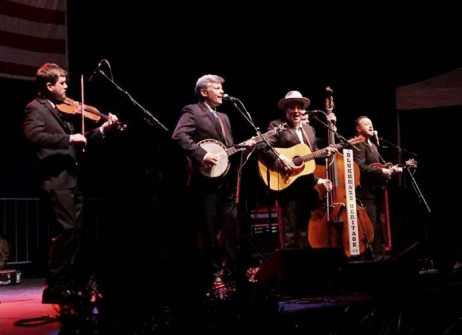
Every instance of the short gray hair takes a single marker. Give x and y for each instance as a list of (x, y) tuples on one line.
[(205, 81)]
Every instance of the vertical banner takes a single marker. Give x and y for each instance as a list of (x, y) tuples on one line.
[(32, 32), (351, 201)]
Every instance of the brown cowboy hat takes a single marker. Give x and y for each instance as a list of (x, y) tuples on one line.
[(293, 96)]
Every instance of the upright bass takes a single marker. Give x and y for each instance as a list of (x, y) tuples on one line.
[(328, 226)]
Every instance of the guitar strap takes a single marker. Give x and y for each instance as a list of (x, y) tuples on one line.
[(306, 138)]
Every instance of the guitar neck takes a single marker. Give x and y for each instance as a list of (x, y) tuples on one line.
[(319, 153), (232, 150), (382, 166), (257, 139)]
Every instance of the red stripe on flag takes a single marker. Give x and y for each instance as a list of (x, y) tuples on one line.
[(31, 36), (24, 12), (31, 43), (18, 69)]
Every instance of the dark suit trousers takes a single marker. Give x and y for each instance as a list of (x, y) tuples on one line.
[(64, 212), (374, 210), (218, 222), (295, 205)]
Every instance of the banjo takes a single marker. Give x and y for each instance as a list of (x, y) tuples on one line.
[(223, 153)]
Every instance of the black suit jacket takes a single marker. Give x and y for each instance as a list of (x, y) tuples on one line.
[(49, 136), (371, 178), (196, 124), (287, 139)]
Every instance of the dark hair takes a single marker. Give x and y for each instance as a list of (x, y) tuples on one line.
[(48, 73), (359, 119)]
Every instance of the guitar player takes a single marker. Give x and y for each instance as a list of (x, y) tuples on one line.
[(296, 201)]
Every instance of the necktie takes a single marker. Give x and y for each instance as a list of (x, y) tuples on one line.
[(375, 152), (223, 130)]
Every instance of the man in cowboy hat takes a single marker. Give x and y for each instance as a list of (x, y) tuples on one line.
[(297, 200)]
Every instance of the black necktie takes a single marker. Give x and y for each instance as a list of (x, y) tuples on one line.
[(375, 151)]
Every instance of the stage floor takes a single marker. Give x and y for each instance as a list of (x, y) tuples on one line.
[(364, 298), (22, 304)]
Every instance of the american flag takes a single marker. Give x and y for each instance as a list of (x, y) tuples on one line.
[(32, 32)]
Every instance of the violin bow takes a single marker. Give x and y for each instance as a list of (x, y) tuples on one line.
[(82, 106)]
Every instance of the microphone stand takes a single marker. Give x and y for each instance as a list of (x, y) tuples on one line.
[(400, 151), (413, 181), (417, 190), (428, 263), (397, 147), (149, 118), (248, 117), (242, 162), (340, 137)]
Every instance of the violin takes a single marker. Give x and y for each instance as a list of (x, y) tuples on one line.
[(69, 106)]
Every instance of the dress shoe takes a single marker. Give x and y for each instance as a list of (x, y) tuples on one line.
[(457, 268), (221, 289)]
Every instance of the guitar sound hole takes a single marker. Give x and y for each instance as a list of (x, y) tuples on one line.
[(297, 161)]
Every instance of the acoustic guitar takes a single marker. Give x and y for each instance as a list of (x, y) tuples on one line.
[(303, 159), (218, 148)]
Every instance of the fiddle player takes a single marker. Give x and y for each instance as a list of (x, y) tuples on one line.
[(55, 140), (372, 179)]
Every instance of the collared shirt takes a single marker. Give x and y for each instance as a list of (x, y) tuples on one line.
[(212, 110), (299, 133), (375, 151)]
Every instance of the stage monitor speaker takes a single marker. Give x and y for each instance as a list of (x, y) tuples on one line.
[(293, 272)]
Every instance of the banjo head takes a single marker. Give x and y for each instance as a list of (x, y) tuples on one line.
[(218, 148)]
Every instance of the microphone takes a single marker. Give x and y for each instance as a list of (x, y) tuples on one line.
[(227, 97), (376, 138), (96, 70)]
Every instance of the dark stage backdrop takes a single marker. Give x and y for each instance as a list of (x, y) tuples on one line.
[(156, 56)]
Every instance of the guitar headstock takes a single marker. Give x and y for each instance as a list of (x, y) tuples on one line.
[(411, 163), (272, 132), (281, 127), (356, 140)]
